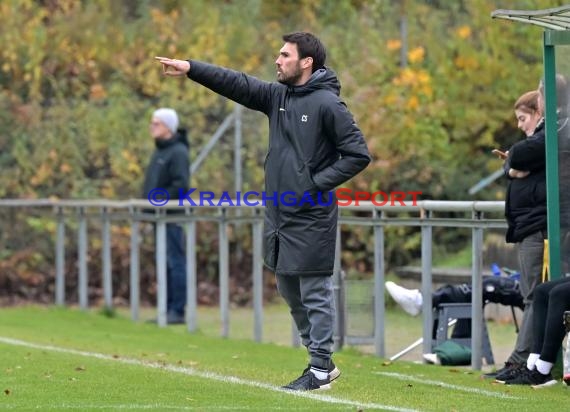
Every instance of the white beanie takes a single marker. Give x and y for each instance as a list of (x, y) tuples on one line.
[(168, 117)]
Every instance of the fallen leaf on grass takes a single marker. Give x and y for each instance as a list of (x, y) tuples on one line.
[(7, 391), (386, 363), (80, 369)]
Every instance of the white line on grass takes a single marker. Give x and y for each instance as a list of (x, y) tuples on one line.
[(156, 406), (446, 385), (204, 375)]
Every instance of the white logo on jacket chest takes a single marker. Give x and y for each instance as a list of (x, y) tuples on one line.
[(304, 118)]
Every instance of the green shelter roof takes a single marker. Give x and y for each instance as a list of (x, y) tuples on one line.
[(553, 19)]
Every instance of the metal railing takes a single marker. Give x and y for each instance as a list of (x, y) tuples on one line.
[(424, 216)]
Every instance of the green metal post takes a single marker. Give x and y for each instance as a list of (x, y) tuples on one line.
[(552, 188)]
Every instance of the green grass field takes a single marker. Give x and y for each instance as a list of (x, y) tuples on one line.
[(65, 359)]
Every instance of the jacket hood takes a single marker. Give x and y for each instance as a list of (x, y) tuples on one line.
[(180, 136), (324, 78), (539, 126), (562, 120)]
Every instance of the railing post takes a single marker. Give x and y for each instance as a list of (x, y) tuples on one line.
[(135, 266), (224, 273), (60, 258), (237, 147), (106, 257), (83, 284), (257, 240), (161, 292), (191, 276), (379, 303), (338, 294), (427, 311), (476, 292)]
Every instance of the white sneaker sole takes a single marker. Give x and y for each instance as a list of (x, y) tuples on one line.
[(335, 373), (545, 384)]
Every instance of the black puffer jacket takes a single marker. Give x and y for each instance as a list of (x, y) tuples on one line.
[(314, 146), (169, 166), (525, 204), (563, 132)]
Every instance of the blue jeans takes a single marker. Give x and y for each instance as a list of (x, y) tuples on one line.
[(175, 269)]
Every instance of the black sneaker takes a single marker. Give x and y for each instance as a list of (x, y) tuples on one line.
[(510, 373), (308, 382), (533, 378), (334, 372), (498, 372)]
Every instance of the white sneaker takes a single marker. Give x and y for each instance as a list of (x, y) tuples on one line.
[(431, 358), (409, 299)]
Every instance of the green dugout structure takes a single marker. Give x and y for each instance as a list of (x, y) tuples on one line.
[(556, 45)]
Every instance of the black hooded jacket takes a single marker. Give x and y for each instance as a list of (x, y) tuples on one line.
[(314, 146), (169, 166), (525, 204)]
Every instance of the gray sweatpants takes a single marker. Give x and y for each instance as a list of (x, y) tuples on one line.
[(531, 257), (311, 300)]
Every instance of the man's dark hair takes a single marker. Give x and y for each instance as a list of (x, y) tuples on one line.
[(308, 45)]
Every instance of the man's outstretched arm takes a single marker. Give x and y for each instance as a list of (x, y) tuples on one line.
[(247, 90)]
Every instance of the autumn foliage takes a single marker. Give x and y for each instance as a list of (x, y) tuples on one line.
[(78, 83)]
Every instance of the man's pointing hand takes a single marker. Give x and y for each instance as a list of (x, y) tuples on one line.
[(174, 67)]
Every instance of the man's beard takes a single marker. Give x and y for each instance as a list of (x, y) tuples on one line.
[(293, 78)]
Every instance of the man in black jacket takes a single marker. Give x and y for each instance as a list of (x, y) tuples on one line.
[(314, 146), (169, 170)]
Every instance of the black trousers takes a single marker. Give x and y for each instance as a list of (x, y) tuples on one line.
[(551, 300)]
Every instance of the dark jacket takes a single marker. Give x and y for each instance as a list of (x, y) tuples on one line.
[(563, 132), (525, 204), (314, 146), (169, 166)]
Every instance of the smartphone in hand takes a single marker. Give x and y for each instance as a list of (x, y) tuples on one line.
[(500, 154)]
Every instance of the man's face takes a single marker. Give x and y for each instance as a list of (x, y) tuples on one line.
[(158, 129), (289, 70)]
